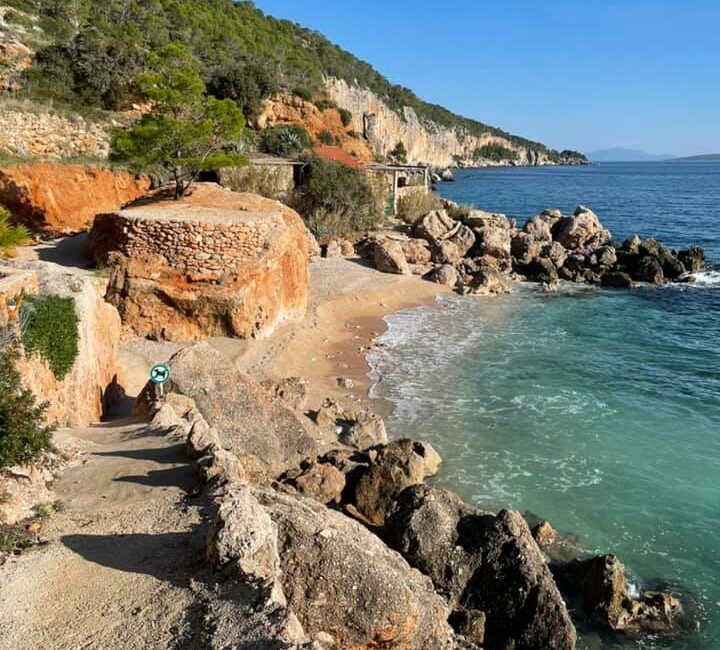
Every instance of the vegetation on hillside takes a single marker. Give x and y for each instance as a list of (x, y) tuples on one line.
[(100, 48), (23, 434), (399, 153), (494, 151), (49, 327), (414, 205), (334, 199), (186, 131), (287, 140)]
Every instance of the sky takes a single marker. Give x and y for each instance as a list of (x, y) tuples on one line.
[(583, 75)]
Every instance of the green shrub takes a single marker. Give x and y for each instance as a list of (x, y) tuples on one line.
[(414, 205), (49, 326), (325, 137), (285, 140), (246, 85), (494, 151), (325, 104), (23, 434), (303, 93), (10, 236), (335, 199), (399, 153), (345, 116)]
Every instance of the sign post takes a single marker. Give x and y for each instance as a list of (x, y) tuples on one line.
[(159, 375)]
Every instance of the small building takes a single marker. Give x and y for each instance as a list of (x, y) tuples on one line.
[(268, 176), (401, 180)]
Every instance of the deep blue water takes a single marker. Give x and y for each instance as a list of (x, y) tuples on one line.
[(598, 410)]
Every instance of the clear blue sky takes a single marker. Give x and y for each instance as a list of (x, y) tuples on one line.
[(584, 74)]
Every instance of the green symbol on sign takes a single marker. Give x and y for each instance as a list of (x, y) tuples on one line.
[(159, 374)]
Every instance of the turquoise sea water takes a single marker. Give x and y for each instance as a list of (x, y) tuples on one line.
[(597, 410)]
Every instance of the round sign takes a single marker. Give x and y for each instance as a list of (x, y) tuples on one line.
[(159, 374)]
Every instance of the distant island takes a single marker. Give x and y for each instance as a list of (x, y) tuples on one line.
[(705, 157), (623, 154)]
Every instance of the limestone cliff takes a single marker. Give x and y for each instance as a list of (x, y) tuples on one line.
[(426, 142)]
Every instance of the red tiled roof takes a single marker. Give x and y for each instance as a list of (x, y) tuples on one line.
[(336, 154)]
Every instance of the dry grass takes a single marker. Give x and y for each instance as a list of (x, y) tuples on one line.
[(417, 204)]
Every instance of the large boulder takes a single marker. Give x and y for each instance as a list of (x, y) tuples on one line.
[(604, 594), (482, 219), (617, 280), (340, 580), (389, 257), (693, 259), (60, 199), (485, 563), (433, 226), (417, 251), (581, 231), (392, 468), (525, 248), (495, 242), (539, 229), (649, 269), (444, 274), (266, 435)]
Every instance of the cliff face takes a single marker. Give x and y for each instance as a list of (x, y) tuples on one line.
[(426, 142)]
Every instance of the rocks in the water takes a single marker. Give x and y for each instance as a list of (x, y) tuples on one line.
[(447, 176), (603, 591), (484, 563), (392, 468), (617, 280), (581, 231), (525, 248), (444, 274), (693, 259), (541, 270), (494, 242), (389, 257), (544, 534), (489, 280), (538, 229), (648, 269)]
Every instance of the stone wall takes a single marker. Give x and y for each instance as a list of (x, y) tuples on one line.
[(46, 135), (216, 263)]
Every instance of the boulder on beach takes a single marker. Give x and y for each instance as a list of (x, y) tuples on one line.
[(389, 257)]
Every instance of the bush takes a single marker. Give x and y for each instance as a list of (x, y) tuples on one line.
[(325, 137), (459, 212), (285, 140), (345, 116), (10, 236), (246, 85), (335, 199), (49, 326), (325, 104), (23, 434), (414, 205), (399, 153), (303, 93)]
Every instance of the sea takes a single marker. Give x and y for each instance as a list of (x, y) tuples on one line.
[(598, 410)]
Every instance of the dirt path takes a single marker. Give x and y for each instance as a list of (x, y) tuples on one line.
[(122, 551)]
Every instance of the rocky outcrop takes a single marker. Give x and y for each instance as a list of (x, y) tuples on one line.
[(336, 579), (217, 263), (266, 435), (426, 142), (485, 564), (85, 394), (389, 257), (58, 199), (601, 587)]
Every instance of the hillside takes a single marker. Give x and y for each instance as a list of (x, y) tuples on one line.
[(88, 55), (705, 157)]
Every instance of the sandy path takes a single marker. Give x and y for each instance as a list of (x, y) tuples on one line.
[(122, 551)]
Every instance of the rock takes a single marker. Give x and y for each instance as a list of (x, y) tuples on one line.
[(604, 593), (485, 563), (292, 390), (433, 226), (444, 274), (555, 253), (539, 229), (581, 231), (541, 270), (367, 430), (265, 434), (347, 249), (693, 259), (525, 248), (216, 263), (332, 249), (470, 623), (417, 251), (617, 280), (320, 481), (489, 281), (395, 467), (346, 383), (340, 579), (388, 257), (447, 176), (494, 242), (463, 238), (606, 256), (648, 269), (219, 467), (314, 249), (672, 267), (60, 199), (544, 534), (482, 219), (632, 245), (200, 439), (551, 217)]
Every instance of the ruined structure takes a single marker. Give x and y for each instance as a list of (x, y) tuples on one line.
[(216, 263)]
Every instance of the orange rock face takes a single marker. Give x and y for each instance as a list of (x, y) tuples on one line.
[(288, 109), (59, 199), (217, 263)]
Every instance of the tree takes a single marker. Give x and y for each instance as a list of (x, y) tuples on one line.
[(399, 153), (186, 131), (246, 85)]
